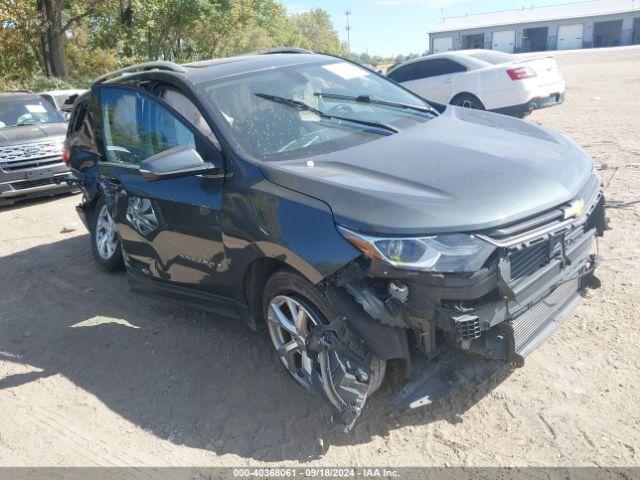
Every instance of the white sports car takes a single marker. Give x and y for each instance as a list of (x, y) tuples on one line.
[(484, 79)]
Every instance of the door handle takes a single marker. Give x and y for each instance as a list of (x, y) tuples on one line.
[(448, 81)]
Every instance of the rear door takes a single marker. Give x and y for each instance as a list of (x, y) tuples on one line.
[(435, 78), (170, 229)]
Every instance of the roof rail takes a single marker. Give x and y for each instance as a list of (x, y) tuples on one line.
[(142, 67), (284, 50)]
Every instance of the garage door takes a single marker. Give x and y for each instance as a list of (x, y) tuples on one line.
[(570, 36), (444, 44), (504, 41)]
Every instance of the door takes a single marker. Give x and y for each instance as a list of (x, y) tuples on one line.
[(444, 44), (570, 36), (435, 78), (504, 41), (169, 229)]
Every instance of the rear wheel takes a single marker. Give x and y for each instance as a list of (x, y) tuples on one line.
[(292, 308), (468, 101), (105, 241)]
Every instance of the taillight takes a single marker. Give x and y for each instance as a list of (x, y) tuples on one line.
[(65, 155), (521, 73)]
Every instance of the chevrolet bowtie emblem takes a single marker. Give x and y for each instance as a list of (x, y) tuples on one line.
[(574, 210)]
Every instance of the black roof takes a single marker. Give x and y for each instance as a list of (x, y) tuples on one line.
[(204, 70)]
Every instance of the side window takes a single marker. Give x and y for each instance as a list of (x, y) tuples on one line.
[(449, 66), (439, 66), (135, 126), (181, 104), (78, 116), (428, 68), (405, 73)]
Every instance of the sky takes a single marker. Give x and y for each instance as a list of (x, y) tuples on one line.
[(392, 27)]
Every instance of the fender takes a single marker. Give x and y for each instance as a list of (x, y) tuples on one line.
[(273, 222)]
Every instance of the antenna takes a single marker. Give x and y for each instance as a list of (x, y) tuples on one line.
[(347, 13)]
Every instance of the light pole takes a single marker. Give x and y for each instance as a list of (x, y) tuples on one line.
[(348, 29)]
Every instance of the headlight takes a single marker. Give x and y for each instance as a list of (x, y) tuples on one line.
[(455, 252)]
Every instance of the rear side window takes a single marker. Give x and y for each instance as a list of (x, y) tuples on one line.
[(439, 66), (77, 118), (405, 73), (135, 126)]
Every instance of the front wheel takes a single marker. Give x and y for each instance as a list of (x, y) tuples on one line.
[(292, 308), (105, 241)]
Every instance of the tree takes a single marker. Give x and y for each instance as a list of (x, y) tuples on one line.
[(54, 27), (317, 31)]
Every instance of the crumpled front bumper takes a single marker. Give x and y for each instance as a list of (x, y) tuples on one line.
[(502, 347)]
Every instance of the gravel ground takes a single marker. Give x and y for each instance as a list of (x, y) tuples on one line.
[(92, 375)]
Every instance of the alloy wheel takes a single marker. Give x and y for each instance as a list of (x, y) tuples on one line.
[(106, 236), (289, 323)]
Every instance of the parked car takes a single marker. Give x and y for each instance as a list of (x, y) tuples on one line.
[(32, 133), (484, 79), (62, 100), (342, 213)]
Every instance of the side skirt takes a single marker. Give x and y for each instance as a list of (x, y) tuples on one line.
[(190, 297)]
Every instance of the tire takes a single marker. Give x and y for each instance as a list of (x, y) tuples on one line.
[(468, 101), (106, 251), (286, 284)]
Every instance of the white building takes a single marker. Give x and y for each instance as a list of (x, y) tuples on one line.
[(595, 23)]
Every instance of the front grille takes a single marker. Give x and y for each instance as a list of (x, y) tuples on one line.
[(552, 223), (21, 185), (528, 325), (526, 261), (30, 155)]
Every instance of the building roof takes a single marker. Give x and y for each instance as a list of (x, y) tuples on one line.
[(536, 14)]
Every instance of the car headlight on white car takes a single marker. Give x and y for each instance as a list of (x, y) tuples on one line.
[(446, 253)]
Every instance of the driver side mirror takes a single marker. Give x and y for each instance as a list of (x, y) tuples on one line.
[(175, 163)]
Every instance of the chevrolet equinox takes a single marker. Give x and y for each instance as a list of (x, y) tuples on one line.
[(352, 220)]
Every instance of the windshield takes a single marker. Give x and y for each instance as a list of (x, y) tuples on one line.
[(333, 108), (18, 111)]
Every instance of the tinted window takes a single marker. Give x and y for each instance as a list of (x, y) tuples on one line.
[(77, 117), (439, 66), (405, 73), (135, 126)]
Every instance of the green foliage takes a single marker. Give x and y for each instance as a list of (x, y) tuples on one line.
[(102, 35)]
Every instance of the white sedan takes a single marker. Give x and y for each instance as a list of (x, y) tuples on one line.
[(484, 79)]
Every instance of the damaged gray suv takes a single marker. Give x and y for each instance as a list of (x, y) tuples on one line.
[(352, 220)]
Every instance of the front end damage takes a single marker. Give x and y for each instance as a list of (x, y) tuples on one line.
[(454, 329)]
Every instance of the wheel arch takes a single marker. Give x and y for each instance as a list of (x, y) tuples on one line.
[(465, 94)]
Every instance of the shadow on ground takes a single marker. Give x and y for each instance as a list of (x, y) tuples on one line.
[(179, 373)]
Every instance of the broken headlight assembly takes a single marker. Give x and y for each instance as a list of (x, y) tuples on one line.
[(446, 253)]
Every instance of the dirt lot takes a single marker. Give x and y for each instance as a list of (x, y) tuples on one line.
[(91, 374)]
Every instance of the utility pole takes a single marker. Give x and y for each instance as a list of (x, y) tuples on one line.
[(348, 29)]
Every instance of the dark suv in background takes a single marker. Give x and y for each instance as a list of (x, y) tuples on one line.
[(32, 135), (342, 213)]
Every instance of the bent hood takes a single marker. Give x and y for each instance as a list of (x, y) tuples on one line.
[(11, 135), (465, 170)]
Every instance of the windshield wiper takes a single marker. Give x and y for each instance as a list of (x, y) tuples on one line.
[(303, 106), (375, 101)]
